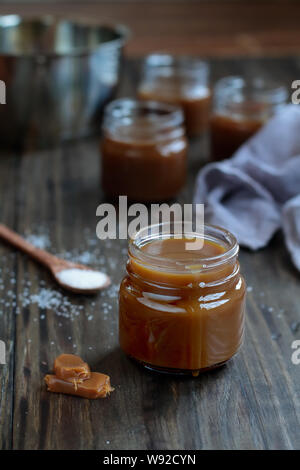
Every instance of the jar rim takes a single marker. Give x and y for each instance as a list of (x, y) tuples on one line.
[(260, 89), (210, 232), (184, 67), (124, 109), (163, 59)]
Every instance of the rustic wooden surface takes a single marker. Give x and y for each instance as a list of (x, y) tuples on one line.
[(252, 403), (203, 27)]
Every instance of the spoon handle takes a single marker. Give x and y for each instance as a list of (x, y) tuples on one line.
[(19, 242)]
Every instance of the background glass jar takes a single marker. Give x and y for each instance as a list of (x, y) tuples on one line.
[(182, 310), (179, 80), (240, 108), (143, 150)]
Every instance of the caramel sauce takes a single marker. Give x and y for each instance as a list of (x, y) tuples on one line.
[(228, 134), (196, 106), (180, 319), (142, 168)]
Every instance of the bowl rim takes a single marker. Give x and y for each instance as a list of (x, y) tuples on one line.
[(122, 30)]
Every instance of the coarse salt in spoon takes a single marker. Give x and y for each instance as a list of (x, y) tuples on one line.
[(78, 278), (71, 276)]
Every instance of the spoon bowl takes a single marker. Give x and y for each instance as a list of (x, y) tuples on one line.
[(67, 274)]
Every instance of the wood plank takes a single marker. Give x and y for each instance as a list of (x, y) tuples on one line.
[(9, 176), (208, 27)]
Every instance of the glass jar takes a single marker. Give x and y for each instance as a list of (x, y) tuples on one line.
[(182, 81), (181, 310), (143, 150), (240, 108)]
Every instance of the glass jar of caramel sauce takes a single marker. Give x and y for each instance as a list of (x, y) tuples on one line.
[(240, 108), (182, 81), (143, 150), (181, 310)]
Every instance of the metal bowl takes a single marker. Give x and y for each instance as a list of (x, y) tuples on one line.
[(58, 75)]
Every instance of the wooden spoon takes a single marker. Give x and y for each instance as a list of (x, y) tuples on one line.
[(66, 274)]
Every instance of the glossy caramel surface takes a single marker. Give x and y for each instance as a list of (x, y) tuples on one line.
[(97, 386), (189, 320), (71, 368)]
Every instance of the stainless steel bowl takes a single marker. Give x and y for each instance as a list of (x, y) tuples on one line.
[(58, 76)]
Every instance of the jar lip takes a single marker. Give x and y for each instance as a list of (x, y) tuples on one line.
[(164, 59), (124, 109), (210, 232), (259, 88), (187, 69)]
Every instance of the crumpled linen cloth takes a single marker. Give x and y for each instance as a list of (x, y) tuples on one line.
[(257, 191)]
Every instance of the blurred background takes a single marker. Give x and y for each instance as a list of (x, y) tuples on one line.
[(214, 28)]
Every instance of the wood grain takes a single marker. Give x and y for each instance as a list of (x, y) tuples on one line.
[(9, 179), (252, 403), (215, 28)]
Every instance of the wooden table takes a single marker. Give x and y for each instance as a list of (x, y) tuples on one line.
[(252, 403), (211, 28)]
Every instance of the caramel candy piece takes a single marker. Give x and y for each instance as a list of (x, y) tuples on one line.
[(97, 386), (71, 368)]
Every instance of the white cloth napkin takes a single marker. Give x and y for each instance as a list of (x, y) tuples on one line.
[(257, 191)]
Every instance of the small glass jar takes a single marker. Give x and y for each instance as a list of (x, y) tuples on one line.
[(143, 150), (240, 108), (182, 310), (183, 81)]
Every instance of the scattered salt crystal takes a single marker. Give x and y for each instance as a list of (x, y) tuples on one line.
[(249, 289), (39, 241), (37, 292), (82, 278)]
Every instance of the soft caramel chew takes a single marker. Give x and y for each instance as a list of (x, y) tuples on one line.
[(71, 368), (97, 386)]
